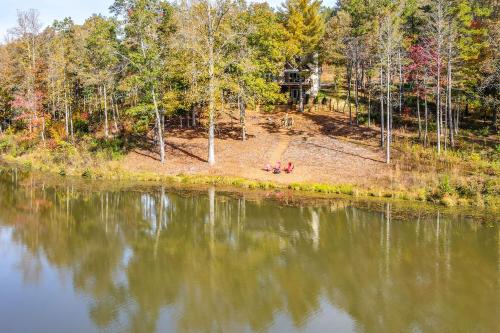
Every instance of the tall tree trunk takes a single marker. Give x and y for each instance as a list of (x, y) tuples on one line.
[(242, 107), (114, 113), (57, 105), (369, 104), (43, 127), (193, 115), (106, 125), (450, 108), (301, 89), (382, 107), (356, 88), (400, 82), (438, 106), (426, 110), (211, 91), (66, 114), (159, 129), (348, 98), (445, 121), (389, 112), (418, 115), (72, 132)]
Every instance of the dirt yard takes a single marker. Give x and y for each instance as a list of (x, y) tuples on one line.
[(322, 145)]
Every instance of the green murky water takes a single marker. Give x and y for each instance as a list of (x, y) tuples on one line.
[(91, 259)]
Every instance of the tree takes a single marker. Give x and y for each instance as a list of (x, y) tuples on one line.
[(259, 56), (29, 95), (206, 34), (64, 68), (390, 39), (304, 23), (147, 28), (101, 59)]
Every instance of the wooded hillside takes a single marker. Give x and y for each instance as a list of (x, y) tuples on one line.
[(426, 73)]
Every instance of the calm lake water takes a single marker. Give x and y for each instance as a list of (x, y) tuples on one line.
[(95, 259)]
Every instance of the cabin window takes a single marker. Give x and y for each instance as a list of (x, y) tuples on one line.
[(293, 77)]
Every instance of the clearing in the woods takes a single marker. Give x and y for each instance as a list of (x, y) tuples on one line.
[(322, 145)]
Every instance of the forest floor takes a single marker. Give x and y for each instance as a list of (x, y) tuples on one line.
[(322, 145)]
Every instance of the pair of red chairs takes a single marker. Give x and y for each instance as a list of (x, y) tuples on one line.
[(277, 168)]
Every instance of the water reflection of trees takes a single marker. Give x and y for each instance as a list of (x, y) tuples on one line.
[(225, 264)]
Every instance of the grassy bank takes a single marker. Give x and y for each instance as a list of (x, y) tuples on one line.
[(451, 179)]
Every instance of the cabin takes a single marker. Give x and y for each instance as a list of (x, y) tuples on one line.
[(311, 83)]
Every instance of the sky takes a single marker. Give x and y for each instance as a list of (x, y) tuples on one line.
[(78, 10)]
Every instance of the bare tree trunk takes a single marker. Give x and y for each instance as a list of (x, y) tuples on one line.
[(400, 82), (337, 97), (426, 110), (438, 106), (211, 91), (58, 103), (418, 116), (381, 107), (348, 98), (106, 125), (445, 120), (356, 88), (242, 107), (193, 112), (43, 126), (439, 35), (369, 104), (66, 113), (114, 113), (159, 128), (301, 91), (117, 110), (389, 112), (72, 133), (450, 108)]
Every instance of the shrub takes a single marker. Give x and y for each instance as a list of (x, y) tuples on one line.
[(111, 149), (142, 116), (81, 126), (445, 186), (64, 152), (5, 144)]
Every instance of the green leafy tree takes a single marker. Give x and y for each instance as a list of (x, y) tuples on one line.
[(101, 59), (259, 56), (146, 27), (305, 26)]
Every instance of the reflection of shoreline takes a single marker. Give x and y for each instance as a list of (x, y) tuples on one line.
[(401, 209), (290, 193), (229, 262)]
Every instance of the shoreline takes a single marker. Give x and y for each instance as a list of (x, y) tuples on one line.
[(113, 172)]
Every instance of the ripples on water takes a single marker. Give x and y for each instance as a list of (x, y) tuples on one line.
[(86, 260)]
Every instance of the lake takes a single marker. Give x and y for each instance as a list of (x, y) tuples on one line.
[(97, 257)]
